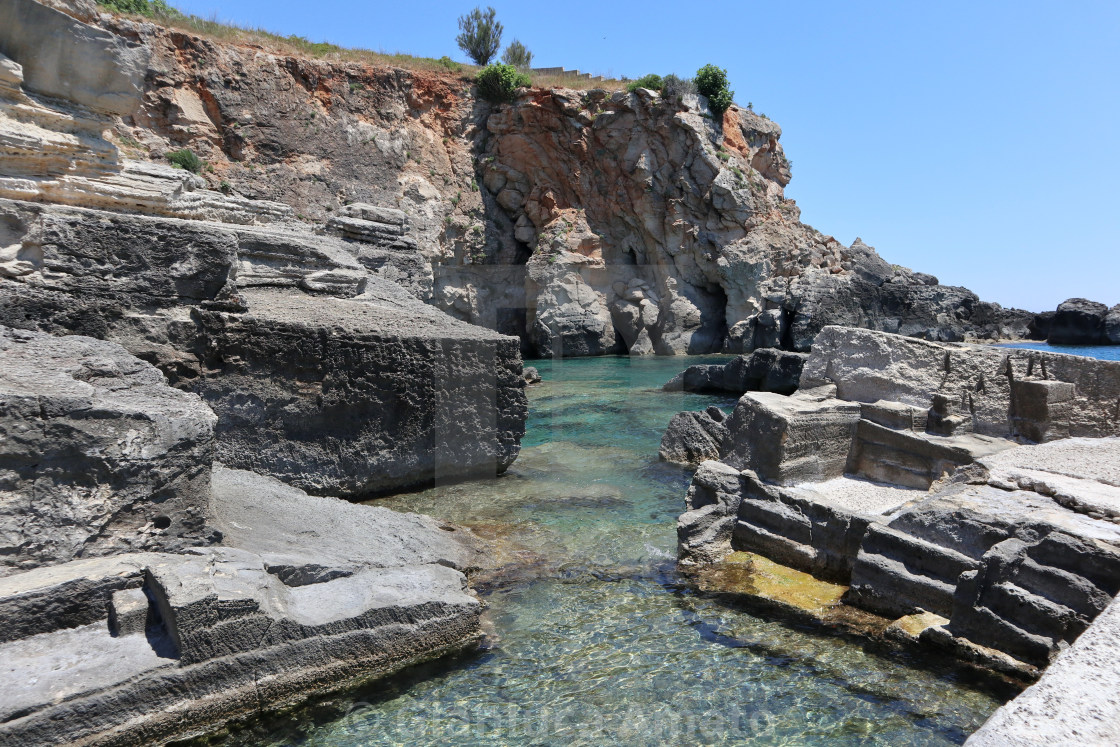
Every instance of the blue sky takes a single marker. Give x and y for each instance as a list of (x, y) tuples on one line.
[(978, 141)]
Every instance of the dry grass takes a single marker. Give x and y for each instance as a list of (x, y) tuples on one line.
[(298, 46)]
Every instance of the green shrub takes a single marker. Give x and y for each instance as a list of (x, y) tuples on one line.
[(500, 82), (518, 55), (711, 82), (480, 35), (674, 87), (651, 81), (450, 64), (186, 159), (150, 8)]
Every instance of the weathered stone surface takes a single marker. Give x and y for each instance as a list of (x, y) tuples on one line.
[(176, 293), (815, 528), (97, 454), (704, 529), (793, 439), (66, 59), (913, 459), (350, 397), (309, 596), (1078, 321), (694, 437), (868, 366), (1075, 702), (1112, 326), (764, 370)]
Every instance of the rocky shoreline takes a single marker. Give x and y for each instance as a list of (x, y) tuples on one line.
[(966, 491), (200, 371)]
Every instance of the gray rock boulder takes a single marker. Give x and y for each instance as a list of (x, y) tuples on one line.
[(98, 455), (348, 397), (1078, 321), (694, 437), (793, 439), (763, 370)]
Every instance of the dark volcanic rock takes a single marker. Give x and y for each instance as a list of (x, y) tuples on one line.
[(1078, 321), (98, 455), (765, 370)]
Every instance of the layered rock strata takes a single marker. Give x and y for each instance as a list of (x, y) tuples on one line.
[(125, 622), (315, 348), (675, 236), (930, 509)]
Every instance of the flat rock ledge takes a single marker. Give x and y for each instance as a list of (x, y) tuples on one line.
[(150, 594), (975, 489)]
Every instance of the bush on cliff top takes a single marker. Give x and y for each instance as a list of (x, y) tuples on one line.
[(499, 83), (652, 81), (711, 82)]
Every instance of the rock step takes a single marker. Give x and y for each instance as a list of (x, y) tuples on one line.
[(984, 627), (897, 573), (775, 545), (888, 587)]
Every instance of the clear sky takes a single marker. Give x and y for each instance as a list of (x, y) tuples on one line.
[(978, 141)]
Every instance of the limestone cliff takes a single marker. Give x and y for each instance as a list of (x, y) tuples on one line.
[(583, 222)]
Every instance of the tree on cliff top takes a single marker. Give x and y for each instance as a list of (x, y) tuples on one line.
[(518, 55), (481, 35)]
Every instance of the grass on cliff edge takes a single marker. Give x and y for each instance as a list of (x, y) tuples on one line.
[(297, 46)]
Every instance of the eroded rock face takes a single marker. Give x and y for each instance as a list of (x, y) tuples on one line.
[(99, 455), (351, 397), (306, 596), (694, 437), (583, 222), (1002, 391)]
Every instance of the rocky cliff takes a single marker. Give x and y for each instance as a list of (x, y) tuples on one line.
[(584, 222)]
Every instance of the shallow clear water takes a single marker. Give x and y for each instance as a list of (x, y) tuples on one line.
[(1104, 352), (596, 640)]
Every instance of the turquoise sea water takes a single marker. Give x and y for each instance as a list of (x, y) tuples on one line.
[(1104, 352), (594, 639)]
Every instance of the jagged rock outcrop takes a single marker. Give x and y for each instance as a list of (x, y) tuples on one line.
[(99, 455), (674, 237), (1079, 321), (694, 437), (764, 370)]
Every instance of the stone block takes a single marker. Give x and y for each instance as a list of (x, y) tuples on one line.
[(1041, 409), (787, 440)]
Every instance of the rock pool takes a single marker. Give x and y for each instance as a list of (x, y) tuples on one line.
[(595, 639)]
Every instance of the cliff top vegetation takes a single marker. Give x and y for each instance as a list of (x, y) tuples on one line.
[(159, 11)]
